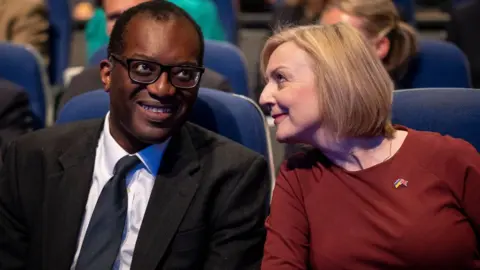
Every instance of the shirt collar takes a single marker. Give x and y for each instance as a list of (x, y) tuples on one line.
[(150, 156)]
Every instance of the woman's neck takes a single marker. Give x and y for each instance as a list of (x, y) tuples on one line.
[(354, 154)]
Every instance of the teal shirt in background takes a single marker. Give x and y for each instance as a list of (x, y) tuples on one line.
[(96, 32), (204, 12)]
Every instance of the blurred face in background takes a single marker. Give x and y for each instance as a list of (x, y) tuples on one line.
[(113, 9), (335, 15)]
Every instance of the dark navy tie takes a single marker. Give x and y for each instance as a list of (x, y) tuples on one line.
[(105, 231)]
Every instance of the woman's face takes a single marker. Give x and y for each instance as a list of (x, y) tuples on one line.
[(335, 15), (291, 94)]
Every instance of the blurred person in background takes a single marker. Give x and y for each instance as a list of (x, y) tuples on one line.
[(395, 41), (370, 195), (25, 22), (204, 12)]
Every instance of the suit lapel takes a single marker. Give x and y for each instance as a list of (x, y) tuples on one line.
[(174, 189), (66, 199)]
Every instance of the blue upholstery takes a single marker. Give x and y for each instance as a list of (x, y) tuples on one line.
[(229, 61), (228, 17), (406, 8), (437, 64), (221, 57), (232, 116), (60, 36), (98, 56), (455, 112), (23, 66)]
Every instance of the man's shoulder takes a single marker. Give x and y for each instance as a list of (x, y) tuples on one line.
[(59, 136), (11, 91), (208, 142)]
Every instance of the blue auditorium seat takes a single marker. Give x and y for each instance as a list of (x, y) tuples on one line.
[(228, 17), (60, 38), (221, 57), (449, 111), (406, 9), (437, 64), (98, 56), (24, 66), (229, 61), (233, 116)]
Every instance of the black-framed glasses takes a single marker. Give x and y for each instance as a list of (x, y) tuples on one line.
[(148, 72)]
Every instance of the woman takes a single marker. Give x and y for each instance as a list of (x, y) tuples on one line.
[(370, 195), (394, 40)]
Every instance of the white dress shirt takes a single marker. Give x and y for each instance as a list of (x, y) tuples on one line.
[(140, 182)]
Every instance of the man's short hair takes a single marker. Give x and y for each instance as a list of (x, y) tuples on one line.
[(159, 10)]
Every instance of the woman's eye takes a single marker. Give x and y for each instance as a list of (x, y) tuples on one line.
[(279, 78)]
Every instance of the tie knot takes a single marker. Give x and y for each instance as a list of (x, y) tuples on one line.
[(125, 164)]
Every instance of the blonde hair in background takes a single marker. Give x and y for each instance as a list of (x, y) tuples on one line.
[(381, 18), (355, 89)]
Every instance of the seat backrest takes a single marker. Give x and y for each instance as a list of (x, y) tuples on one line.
[(233, 116), (449, 111), (98, 56), (221, 57), (229, 61), (60, 38), (228, 17), (22, 65), (406, 8), (437, 64)]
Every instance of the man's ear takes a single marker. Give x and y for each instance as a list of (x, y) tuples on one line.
[(106, 73)]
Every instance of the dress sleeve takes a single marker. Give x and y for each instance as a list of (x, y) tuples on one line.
[(287, 244)]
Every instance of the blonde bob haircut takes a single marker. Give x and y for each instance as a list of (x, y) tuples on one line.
[(354, 88)]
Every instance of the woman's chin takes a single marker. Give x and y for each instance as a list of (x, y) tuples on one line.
[(283, 138)]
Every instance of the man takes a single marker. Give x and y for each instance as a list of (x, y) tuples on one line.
[(462, 32), (89, 78), (142, 189), (25, 22), (15, 114)]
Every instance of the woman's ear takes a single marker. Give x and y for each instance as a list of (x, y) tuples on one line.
[(382, 46)]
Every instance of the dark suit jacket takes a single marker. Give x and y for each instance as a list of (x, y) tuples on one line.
[(463, 32), (15, 114), (206, 211), (89, 80)]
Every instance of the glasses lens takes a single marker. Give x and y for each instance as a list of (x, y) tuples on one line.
[(144, 72), (184, 77)]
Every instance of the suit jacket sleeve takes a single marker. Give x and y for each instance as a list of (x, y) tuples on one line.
[(13, 236), (287, 246), (15, 115), (32, 27), (239, 234)]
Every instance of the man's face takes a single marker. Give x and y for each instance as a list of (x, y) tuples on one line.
[(113, 9), (143, 114)]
